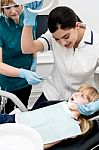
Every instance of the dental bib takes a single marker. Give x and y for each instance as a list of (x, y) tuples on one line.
[(53, 122)]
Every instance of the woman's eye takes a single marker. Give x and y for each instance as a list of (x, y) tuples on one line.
[(57, 40), (67, 37), (16, 6)]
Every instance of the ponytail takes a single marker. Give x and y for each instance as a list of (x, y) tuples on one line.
[(85, 124)]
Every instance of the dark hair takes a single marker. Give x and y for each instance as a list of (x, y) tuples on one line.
[(62, 17)]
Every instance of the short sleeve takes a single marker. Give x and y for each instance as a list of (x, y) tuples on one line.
[(46, 40)]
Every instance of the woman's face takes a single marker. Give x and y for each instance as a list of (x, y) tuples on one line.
[(66, 38), (78, 97), (12, 11)]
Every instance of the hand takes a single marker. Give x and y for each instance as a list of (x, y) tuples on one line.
[(88, 109), (29, 17), (31, 77), (34, 63)]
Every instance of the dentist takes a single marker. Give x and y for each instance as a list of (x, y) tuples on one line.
[(75, 49)]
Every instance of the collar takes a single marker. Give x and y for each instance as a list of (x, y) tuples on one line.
[(87, 38)]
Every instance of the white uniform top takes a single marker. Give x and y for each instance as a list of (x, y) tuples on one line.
[(71, 68)]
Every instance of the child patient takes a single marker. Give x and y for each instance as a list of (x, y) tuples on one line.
[(62, 117)]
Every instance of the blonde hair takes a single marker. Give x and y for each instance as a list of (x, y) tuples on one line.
[(4, 2), (92, 95)]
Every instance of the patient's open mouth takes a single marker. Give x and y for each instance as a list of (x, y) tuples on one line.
[(72, 99)]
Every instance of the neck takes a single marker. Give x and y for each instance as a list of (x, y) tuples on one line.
[(75, 114), (81, 31), (16, 20)]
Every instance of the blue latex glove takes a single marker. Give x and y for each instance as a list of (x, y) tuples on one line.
[(31, 77), (88, 109), (34, 63), (29, 17)]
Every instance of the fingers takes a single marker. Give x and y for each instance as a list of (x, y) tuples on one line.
[(34, 81), (33, 5), (37, 76)]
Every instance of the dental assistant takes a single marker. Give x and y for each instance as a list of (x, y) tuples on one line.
[(75, 49), (15, 76)]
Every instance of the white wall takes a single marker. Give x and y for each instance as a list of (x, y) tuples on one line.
[(46, 3), (87, 10)]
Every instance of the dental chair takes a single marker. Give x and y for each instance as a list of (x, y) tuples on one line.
[(85, 142), (90, 141), (4, 96)]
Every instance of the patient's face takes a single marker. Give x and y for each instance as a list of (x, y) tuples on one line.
[(78, 97)]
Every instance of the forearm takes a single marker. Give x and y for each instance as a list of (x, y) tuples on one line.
[(28, 45), (27, 40), (8, 70)]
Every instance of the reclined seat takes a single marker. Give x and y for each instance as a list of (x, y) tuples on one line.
[(89, 141)]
